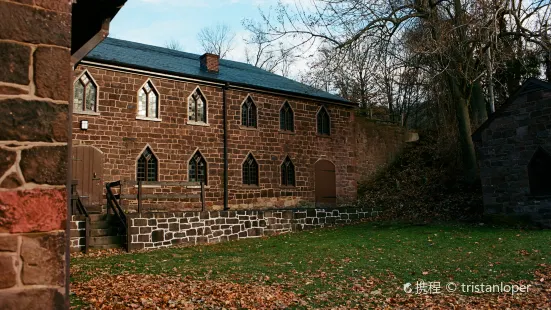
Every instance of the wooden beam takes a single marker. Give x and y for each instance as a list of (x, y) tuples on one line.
[(168, 183), (162, 196)]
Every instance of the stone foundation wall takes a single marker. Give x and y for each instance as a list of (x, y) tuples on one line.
[(78, 233), (156, 230)]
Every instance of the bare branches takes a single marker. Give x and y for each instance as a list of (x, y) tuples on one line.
[(174, 44), (216, 40)]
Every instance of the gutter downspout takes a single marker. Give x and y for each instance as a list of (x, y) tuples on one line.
[(224, 120)]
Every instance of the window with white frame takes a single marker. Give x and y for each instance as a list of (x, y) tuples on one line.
[(85, 97), (197, 107), (148, 101)]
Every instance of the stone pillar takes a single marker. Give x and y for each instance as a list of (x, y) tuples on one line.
[(35, 68)]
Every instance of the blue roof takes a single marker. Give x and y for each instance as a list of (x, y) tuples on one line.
[(164, 60)]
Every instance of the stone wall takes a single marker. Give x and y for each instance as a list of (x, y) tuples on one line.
[(155, 230), (505, 148), (121, 137), (78, 232), (357, 147), (378, 144), (35, 41)]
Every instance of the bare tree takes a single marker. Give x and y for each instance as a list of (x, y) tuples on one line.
[(217, 39), (451, 40), (270, 56), (174, 44)]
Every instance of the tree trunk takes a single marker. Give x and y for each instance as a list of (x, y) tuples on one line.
[(478, 104), (464, 125), (548, 66)]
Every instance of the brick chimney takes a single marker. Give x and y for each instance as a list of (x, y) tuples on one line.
[(210, 62)]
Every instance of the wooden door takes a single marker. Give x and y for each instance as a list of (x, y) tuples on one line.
[(326, 184), (87, 165)]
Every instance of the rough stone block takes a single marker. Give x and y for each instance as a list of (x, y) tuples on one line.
[(51, 76), (11, 181), (43, 258), (174, 227), (33, 120), (32, 299), (33, 211), (145, 230), (158, 235), (14, 63), (8, 243), (140, 222), (47, 27), (44, 164), (7, 272)]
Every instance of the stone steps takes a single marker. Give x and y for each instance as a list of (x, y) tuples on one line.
[(105, 232), (107, 240)]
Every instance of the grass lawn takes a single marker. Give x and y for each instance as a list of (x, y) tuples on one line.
[(358, 266)]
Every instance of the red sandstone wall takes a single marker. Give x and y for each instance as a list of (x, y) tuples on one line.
[(35, 39), (377, 144), (121, 137)]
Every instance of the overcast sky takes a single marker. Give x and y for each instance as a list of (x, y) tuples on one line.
[(157, 21)]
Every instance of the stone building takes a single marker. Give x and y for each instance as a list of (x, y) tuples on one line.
[(256, 139), (513, 148)]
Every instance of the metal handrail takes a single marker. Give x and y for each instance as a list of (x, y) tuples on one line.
[(76, 202), (113, 203)]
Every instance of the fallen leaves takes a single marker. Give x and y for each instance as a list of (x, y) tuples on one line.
[(137, 291), (133, 291)]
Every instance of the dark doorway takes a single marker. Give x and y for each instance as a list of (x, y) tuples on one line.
[(87, 168), (539, 173), (326, 184)]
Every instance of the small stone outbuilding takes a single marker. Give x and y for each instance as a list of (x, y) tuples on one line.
[(514, 156)]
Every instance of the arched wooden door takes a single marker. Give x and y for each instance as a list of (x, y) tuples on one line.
[(326, 183), (87, 169)]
